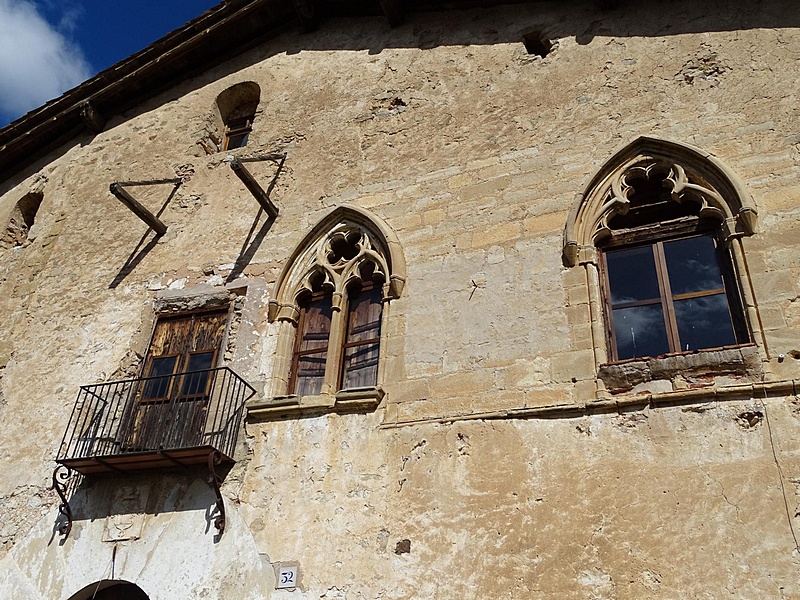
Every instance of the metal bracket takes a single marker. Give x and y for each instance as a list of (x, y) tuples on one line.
[(61, 475), (215, 481), (237, 164)]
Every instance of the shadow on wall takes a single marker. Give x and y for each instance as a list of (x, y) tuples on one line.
[(124, 502), (507, 24)]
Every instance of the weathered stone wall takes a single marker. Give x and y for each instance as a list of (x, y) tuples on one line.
[(483, 452)]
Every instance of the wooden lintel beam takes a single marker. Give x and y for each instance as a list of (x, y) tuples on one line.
[(306, 14), (92, 118), (137, 209), (393, 9), (252, 185)]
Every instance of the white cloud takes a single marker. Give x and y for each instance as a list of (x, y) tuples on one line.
[(37, 63)]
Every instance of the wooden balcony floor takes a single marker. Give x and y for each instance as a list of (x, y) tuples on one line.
[(144, 460)]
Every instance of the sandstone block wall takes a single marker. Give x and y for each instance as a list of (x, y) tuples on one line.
[(495, 451)]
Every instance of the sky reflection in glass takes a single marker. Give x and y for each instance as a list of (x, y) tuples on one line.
[(640, 331), (692, 265)]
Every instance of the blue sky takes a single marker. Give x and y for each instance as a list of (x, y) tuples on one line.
[(50, 46)]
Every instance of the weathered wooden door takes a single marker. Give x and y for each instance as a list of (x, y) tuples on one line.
[(172, 402)]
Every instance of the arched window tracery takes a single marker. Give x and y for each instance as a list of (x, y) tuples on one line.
[(333, 294)]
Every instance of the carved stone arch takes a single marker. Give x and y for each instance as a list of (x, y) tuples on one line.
[(243, 97), (374, 241), (691, 174), (319, 276)]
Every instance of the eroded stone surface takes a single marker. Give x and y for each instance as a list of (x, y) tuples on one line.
[(473, 153)]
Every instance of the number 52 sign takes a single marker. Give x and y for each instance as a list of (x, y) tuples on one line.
[(287, 577)]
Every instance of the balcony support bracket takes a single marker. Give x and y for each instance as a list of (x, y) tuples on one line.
[(152, 220), (259, 193), (61, 476), (215, 481)]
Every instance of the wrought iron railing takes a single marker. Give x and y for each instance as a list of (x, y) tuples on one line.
[(115, 424)]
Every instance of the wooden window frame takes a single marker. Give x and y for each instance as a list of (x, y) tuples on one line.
[(655, 237), (151, 379), (233, 129), (365, 287), (337, 345), (297, 354), (207, 388)]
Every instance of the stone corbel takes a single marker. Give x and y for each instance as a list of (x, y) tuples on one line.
[(92, 118), (396, 285), (747, 219), (729, 229), (282, 312)]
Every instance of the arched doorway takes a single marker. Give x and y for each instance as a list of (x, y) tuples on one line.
[(109, 589)]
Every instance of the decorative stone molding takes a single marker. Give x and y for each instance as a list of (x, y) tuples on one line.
[(366, 398), (691, 175), (318, 260)]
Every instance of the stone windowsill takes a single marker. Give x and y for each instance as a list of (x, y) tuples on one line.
[(685, 370), (361, 399)]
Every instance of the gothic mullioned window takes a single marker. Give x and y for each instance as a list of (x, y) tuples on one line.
[(659, 231), (668, 280), (333, 294)]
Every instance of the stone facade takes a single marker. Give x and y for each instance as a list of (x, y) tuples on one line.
[(500, 454)]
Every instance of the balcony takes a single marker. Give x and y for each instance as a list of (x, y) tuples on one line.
[(176, 420)]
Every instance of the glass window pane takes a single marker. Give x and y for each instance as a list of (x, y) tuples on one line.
[(237, 140), (195, 383), (160, 369), (361, 366), (640, 331), (704, 322), (365, 316), (316, 324), (632, 275), (310, 374), (692, 265)]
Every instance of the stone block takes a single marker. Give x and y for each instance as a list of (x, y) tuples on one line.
[(485, 189), (584, 392), (434, 216), (408, 390), (504, 233), (462, 384), (6, 349), (577, 295), (774, 286), (771, 316), (474, 176), (552, 222), (497, 402), (779, 199), (573, 366), (523, 373), (549, 396)]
